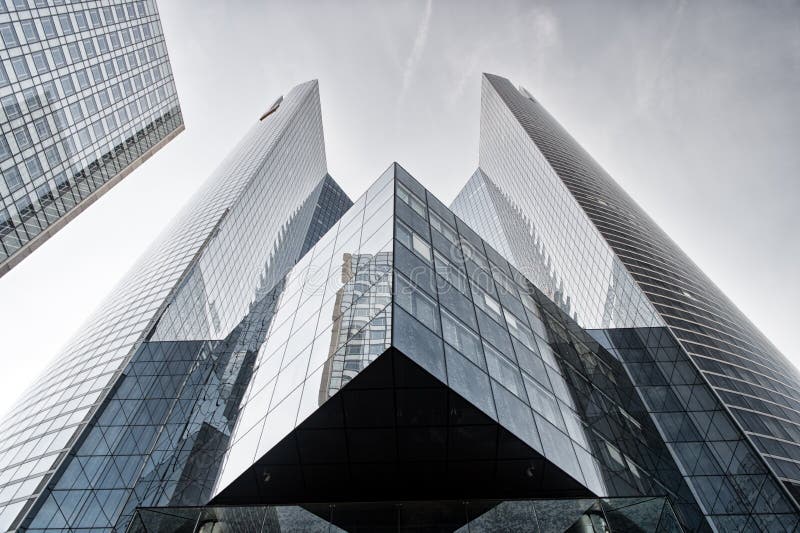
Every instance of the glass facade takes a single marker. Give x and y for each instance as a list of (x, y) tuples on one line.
[(418, 351), (333, 319), (516, 194), (588, 515), (182, 327), (532, 171), (86, 95), (281, 346)]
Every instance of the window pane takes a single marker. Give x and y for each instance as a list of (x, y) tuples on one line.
[(411, 200), (505, 371), (462, 338), (417, 303)]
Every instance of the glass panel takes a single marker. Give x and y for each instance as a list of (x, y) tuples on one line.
[(460, 337)]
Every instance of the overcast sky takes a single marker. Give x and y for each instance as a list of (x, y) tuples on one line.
[(692, 107)]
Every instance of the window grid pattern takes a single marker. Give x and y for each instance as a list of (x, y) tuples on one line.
[(563, 253), (332, 320), (513, 353), (759, 386), (161, 437), (86, 93), (42, 427), (731, 482)]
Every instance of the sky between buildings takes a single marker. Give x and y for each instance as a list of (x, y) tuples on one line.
[(691, 106)]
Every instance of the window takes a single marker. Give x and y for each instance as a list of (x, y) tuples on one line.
[(31, 99), (48, 27), (59, 59), (413, 241), (74, 52), (102, 44), (5, 150), (52, 156), (44, 194), (50, 92), (94, 16), (89, 47), (40, 62), (29, 31), (461, 338), (411, 200), (6, 224), (417, 303), (9, 35), (471, 253), (83, 79), (105, 101), (23, 138), (543, 402), (66, 24), (67, 85), (80, 20), (34, 166), (488, 304), (444, 228), (4, 79), (450, 272), (12, 178), (505, 371), (519, 330), (10, 106), (20, 68), (62, 183), (24, 207)]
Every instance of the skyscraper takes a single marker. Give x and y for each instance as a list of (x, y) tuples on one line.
[(86, 95), (158, 362), (286, 359), (614, 267)]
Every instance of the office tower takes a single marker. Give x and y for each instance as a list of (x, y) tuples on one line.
[(285, 359), (86, 95), (138, 407), (408, 365), (611, 266)]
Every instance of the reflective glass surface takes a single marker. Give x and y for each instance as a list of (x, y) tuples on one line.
[(589, 515), (517, 356), (210, 273), (516, 197), (534, 168), (332, 320), (86, 95)]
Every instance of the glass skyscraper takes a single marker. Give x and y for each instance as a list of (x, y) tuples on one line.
[(86, 95), (286, 359), (622, 270)]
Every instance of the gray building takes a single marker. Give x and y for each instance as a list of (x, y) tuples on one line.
[(285, 359), (158, 362), (614, 267), (86, 95)]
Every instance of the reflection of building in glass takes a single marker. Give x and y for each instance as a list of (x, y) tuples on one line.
[(139, 407), (284, 355), (619, 269), (355, 305), (86, 95)]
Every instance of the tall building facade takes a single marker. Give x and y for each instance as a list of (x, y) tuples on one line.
[(614, 267), (286, 359), (86, 95), (145, 393)]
